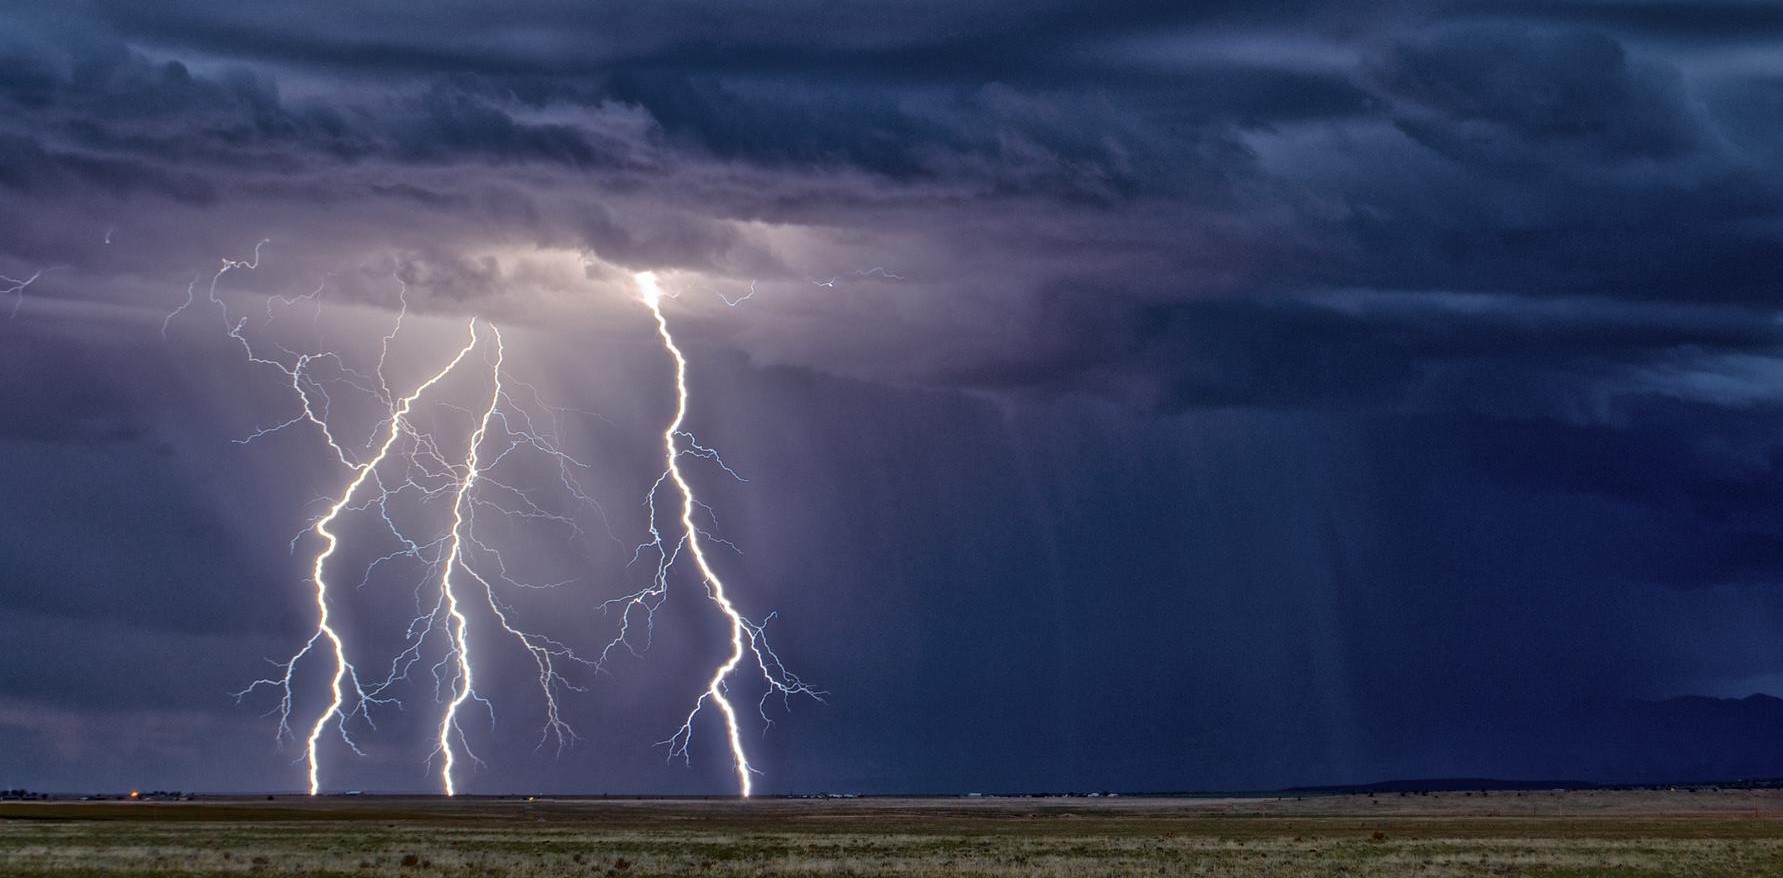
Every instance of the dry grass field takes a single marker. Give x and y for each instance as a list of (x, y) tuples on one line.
[(1555, 834)]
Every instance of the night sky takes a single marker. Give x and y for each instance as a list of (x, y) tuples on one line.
[(1135, 395)]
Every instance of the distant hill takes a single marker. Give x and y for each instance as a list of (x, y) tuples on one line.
[(1692, 739)]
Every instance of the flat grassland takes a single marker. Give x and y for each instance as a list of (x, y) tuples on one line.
[(1548, 833)]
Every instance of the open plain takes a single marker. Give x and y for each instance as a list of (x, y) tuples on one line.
[(1703, 833)]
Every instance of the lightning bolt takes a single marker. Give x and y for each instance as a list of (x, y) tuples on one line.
[(462, 686), (747, 639), (875, 271), (15, 287), (545, 652), (740, 299), (504, 426), (227, 266), (325, 631), (466, 569)]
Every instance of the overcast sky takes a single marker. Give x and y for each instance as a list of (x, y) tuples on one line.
[(1134, 395)]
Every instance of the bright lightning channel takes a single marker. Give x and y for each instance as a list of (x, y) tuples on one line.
[(747, 639), (463, 690), (503, 427), (332, 542), (545, 652)]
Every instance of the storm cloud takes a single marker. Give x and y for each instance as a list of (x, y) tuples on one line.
[(1348, 373)]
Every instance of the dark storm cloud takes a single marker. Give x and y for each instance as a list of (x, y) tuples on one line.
[(1517, 96), (1570, 359), (917, 40), (32, 168), (1714, 21), (111, 99), (1535, 158), (1697, 515), (1308, 346)]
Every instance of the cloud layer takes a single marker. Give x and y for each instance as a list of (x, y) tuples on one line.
[(1372, 326)]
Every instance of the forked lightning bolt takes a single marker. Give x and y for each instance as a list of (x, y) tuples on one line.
[(504, 426), (545, 652), (747, 639), (450, 613), (464, 572), (363, 471)]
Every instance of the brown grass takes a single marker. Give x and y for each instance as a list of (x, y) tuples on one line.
[(1557, 834)]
